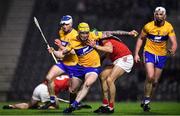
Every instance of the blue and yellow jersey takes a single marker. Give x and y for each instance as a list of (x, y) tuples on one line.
[(70, 59), (87, 55), (156, 42)]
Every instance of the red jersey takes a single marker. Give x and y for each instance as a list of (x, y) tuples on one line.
[(61, 83), (119, 49)]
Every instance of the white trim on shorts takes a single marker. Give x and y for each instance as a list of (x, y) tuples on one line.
[(41, 93), (127, 64), (91, 73)]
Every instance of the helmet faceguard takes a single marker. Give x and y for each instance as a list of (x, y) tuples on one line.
[(83, 29), (159, 15), (67, 19)]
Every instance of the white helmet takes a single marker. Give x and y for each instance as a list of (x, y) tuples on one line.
[(67, 19), (162, 9)]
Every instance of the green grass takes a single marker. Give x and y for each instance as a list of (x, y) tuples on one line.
[(122, 108)]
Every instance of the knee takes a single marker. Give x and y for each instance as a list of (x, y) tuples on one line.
[(87, 84), (109, 81), (74, 87), (151, 78), (102, 78), (73, 90)]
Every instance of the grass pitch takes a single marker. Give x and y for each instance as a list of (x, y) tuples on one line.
[(121, 108)]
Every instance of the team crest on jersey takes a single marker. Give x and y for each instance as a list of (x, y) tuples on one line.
[(157, 38), (84, 50), (64, 43)]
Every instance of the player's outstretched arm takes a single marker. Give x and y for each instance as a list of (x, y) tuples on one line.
[(107, 47), (119, 32)]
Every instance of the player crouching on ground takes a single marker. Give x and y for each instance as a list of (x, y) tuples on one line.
[(41, 95)]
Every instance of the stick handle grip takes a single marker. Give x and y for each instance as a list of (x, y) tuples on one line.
[(54, 58), (52, 54)]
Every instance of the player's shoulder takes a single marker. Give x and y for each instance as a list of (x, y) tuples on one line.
[(168, 24), (95, 34), (149, 24), (61, 31), (74, 30), (72, 33)]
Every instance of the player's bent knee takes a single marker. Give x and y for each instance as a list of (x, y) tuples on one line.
[(151, 77), (73, 90), (151, 80), (102, 79), (109, 80), (87, 84), (70, 90)]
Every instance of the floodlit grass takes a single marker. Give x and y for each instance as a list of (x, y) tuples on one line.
[(122, 108)]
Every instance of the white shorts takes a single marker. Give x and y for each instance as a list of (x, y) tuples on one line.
[(125, 62), (41, 93)]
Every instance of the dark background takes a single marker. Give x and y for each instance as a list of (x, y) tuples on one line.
[(34, 61)]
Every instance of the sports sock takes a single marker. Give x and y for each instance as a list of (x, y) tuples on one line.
[(75, 104), (105, 102), (147, 100), (52, 99), (111, 106)]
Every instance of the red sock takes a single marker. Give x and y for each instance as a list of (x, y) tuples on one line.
[(105, 102), (111, 105)]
